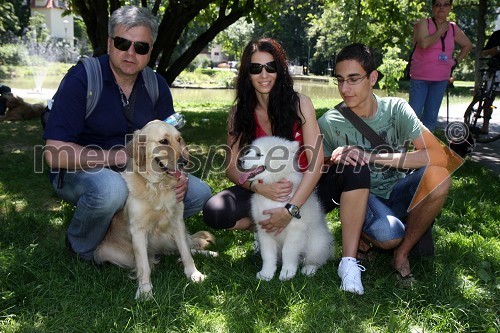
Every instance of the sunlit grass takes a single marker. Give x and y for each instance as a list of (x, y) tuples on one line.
[(44, 290)]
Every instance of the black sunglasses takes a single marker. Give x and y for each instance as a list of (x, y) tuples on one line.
[(257, 68), (123, 44)]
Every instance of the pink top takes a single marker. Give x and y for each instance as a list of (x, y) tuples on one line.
[(297, 134), (434, 63)]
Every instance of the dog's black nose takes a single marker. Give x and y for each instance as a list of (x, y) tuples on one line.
[(182, 161)]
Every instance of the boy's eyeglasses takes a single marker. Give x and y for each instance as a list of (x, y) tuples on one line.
[(123, 44), (350, 81), (442, 5), (257, 68)]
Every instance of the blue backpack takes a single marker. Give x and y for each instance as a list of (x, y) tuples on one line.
[(94, 86)]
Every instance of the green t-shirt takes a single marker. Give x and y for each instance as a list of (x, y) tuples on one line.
[(395, 122)]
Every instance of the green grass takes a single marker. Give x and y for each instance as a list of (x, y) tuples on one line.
[(42, 289)]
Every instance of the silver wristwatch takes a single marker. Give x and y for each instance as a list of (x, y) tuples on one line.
[(293, 210)]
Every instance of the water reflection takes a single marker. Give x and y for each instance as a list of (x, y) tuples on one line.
[(311, 89), (314, 90)]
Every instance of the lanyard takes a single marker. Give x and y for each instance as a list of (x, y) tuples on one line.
[(442, 37)]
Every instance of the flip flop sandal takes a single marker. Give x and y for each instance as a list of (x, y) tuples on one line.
[(367, 254), (406, 281)]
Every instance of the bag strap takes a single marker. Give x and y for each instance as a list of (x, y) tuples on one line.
[(363, 128), (94, 83), (151, 83)]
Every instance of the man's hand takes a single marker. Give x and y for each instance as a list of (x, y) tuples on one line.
[(181, 187), (349, 155)]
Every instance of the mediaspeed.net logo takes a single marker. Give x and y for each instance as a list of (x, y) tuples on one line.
[(457, 137)]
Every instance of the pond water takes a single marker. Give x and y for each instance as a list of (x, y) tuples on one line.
[(25, 88)]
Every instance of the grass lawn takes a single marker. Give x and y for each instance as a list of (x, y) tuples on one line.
[(42, 289)]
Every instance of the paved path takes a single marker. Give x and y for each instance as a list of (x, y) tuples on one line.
[(487, 154)]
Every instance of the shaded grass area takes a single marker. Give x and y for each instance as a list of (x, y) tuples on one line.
[(42, 289)]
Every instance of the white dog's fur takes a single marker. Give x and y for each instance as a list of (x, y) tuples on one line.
[(268, 160), (151, 222)]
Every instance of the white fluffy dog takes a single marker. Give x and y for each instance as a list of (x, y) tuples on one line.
[(268, 160)]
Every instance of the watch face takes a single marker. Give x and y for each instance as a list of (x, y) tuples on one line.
[(294, 210)]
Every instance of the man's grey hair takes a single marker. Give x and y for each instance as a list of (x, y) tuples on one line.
[(132, 16)]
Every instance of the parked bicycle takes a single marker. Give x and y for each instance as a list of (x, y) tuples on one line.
[(482, 102)]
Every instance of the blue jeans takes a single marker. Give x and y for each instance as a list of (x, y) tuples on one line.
[(383, 216), (99, 194), (426, 98)]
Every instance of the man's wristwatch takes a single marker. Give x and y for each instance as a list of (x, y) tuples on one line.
[(293, 210)]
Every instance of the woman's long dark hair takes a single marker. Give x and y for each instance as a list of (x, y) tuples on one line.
[(283, 100)]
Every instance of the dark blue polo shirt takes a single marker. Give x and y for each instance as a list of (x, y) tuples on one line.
[(107, 126)]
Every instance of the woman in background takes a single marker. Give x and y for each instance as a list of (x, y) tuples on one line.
[(433, 61)]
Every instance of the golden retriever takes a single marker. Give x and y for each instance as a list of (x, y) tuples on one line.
[(18, 109), (151, 222)]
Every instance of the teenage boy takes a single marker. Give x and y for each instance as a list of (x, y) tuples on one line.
[(391, 189)]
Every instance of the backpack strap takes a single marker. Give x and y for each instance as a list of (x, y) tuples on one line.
[(151, 83), (94, 82), (363, 128)]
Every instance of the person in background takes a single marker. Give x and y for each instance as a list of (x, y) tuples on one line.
[(433, 61), (491, 49), (85, 155), (395, 195), (3, 101)]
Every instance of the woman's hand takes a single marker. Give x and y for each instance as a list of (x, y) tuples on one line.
[(278, 191), (181, 187), (278, 220), (349, 155)]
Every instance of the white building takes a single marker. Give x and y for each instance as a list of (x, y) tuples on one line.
[(59, 26)]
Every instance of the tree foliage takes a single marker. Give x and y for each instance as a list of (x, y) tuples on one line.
[(234, 39), (9, 22), (377, 23), (175, 46)]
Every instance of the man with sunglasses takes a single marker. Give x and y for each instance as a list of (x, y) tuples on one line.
[(85, 153), (391, 189)]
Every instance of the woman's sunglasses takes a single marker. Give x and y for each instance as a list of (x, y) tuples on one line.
[(123, 44), (257, 68)]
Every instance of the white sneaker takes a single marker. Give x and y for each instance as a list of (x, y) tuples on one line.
[(350, 273)]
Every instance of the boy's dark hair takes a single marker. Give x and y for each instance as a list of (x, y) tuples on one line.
[(434, 2), (359, 52)]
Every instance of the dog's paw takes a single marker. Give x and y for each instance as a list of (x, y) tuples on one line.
[(197, 277), (263, 276), (309, 270), (144, 292), (287, 274)]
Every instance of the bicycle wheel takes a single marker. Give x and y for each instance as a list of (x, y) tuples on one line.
[(473, 112)]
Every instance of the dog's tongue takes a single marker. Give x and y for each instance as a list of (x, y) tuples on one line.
[(177, 173), (244, 177)]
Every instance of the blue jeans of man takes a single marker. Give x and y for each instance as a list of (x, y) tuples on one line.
[(98, 195), (383, 216), (425, 99)]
